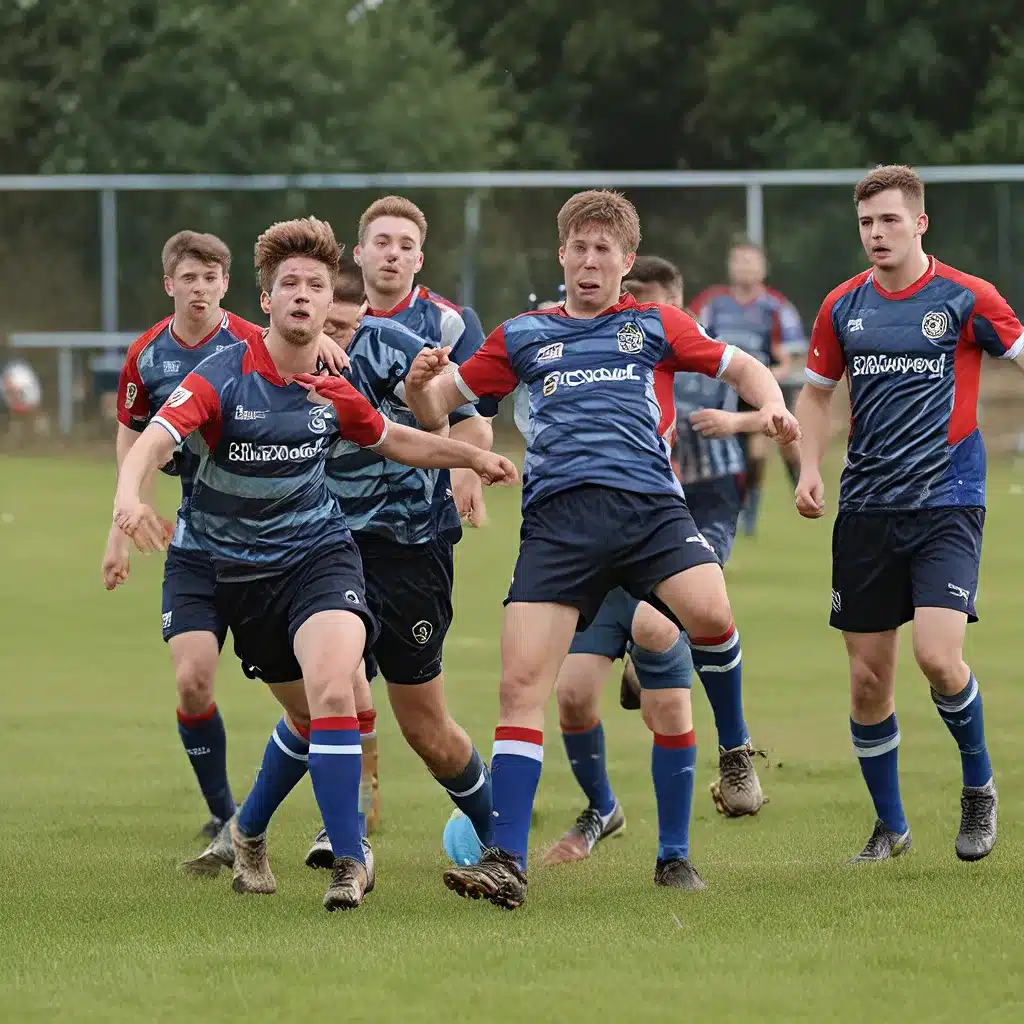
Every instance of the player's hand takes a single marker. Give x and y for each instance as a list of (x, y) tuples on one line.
[(810, 495), (495, 469), (468, 492), (148, 529), (332, 355), (779, 423), (712, 422), (426, 366), (116, 559)]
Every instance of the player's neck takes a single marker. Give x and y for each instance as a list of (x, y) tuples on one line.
[(383, 301), (744, 294), (895, 279), (190, 330), (290, 359)]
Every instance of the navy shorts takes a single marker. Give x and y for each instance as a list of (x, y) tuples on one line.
[(886, 564), (189, 596), (409, 592), (265, 614), (715, 506), (611, 631), (579, 545)]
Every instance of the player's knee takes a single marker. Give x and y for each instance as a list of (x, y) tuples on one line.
[(870, 688), (194, 678), (652, 630), (521, 688), (711, 617), (577, 707), (667, 711), (941, 663), (298, 721)]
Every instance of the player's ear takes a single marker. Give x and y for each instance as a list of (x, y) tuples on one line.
[(168, 285), (561, 255), (265, 302), (419, 261), (627, 265), (227, 281), (922, 223), (357, 255)]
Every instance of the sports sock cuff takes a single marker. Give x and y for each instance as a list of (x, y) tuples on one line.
[(287, 741), (954, 702), (675, 741), (572, 730), (721, 643), (515, 740), (367, 721), (188, 720)]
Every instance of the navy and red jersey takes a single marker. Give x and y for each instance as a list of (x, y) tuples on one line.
[(156, 363), (913, 362), (600, 392), (260, 502), (765, 327)]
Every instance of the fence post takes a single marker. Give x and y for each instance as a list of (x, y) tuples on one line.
[(108, 260), (471, 233), (755, 213)]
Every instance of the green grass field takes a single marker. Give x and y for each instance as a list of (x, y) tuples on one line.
[(99, 806)]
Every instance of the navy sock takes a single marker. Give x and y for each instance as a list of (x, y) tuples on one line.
[(470, 791), (285, 761), (335, 764), (719, 663), (877, 748), (585, 750), (672, 766), (206, 744), (964, 719), (515, 773)]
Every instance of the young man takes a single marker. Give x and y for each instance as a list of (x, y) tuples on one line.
[(405, 521), (289, 580), (349, 305), (908, 334), (601, 509), (761, 321)]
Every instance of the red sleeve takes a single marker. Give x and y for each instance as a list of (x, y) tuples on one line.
[(193, 405), (243, 330), (826, 362), (664, 392), (993, 325), (690, 348), (357, 420), (775, 342), (132, 396), (488, 371)]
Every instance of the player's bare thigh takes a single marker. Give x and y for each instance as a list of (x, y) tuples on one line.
[(698, 599), (872, 658), (195, 656), (578, 690), (328, 647)]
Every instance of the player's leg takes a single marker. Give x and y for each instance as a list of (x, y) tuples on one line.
[(756, 453), (945, 577), (194, 634)]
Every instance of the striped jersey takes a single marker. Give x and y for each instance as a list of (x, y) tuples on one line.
[(765, 327)]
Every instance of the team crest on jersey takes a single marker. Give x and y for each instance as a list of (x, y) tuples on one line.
[(130, 394), (934, 325), (318, 417), (172, 365), (549, 352), (178, 397), (630, 338)]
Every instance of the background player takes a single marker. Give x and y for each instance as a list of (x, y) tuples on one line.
[(763, 322), (601, 508), (906, 546), (289, 577), (349, 305)]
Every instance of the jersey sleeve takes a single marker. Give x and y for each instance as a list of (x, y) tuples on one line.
[(358, 421), (994, 326), (193, 405), (826, 362), (488, 372), (132, 396), (791, 328), (689, 347), (470, 342)]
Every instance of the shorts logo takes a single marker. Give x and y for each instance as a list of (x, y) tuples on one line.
[(172, 365), (165, 620), (318, 417), (630, 338), (422, 631), (130, 394), (178, 397), (575, 378), (837, 601), (934, 325), (549, 352), (964, 595), (701, 540), (352, 597)]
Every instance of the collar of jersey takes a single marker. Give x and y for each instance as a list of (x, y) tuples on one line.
[(262, 362), (911, 289), (191, 348), (399, 306), (626, 301)]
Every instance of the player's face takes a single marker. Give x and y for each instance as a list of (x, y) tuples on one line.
[(890, 230), (595, 265), (390, 256), (342, 321), (196, 287), (747, 267), (300, 300)]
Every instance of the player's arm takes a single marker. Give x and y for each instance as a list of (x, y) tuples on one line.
[(722, 422), (994, 326)]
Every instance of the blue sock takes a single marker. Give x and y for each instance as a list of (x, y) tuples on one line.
[(672, 763), (206, 744), (751, 508), (515, 773), (470, 791), (877, 748), (965, 722), (285, 761), (335, 765), (719, 663), (585, 750), (664, 670)]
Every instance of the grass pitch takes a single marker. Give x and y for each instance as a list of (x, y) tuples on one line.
[(99, 806)]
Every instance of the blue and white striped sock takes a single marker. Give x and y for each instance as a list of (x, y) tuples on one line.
[(285, 761), (877, 748), (335, 765), (963, 716)]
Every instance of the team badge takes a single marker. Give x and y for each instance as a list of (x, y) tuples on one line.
[(318, 417), (178, 397), (550, 385), (630, 338), (934, 325), (549, 352), (422, 631), (352, 597), (130, 394)]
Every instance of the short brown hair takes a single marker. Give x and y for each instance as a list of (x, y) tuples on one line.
[(605, 207), (194, 245), (654, 270), (349, 285), (306, 237), (393, 206), (885, 177)]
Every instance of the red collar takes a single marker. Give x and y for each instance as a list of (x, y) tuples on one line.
[(263, 362), (221, 324), (626, 301), (911, 289), (399, 306)]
